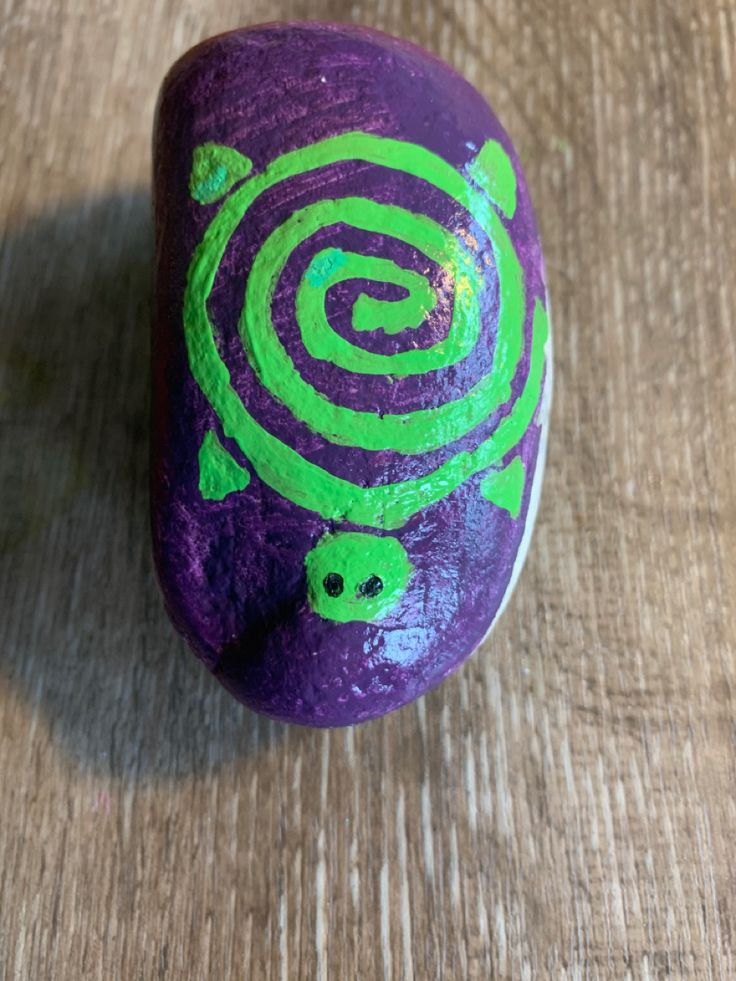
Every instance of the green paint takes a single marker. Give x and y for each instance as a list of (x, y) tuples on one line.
[(219, 474), (306, 484), (332, 266), (493, 171), (505, 488), (325, 267), (408, 313), (360, 561), (385, 505), (411, 433), (215, 169), (322, 342)]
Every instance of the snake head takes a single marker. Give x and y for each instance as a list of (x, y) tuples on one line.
[(355, 576)]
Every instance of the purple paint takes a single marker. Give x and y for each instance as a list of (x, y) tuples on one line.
[(232, 572)]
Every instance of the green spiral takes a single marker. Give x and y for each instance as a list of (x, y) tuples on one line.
[(485, 193)]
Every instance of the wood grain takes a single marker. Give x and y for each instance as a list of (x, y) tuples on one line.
[(565, 806)]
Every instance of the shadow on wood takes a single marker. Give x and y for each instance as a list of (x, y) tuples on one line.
[(87, 642)]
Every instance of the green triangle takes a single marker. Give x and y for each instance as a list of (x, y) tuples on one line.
[(493, 171), (215, 168), (219, 474), (505, 488)]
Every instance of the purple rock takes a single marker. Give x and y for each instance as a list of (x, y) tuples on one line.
[(351, 367)]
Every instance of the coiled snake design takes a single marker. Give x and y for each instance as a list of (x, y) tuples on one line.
[(360, 575)]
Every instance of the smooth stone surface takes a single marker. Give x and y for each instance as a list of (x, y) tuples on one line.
[(328, 561)]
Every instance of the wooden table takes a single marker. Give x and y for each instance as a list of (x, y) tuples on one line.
[(565, 806)]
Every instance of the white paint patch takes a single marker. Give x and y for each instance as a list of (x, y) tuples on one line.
[(531, 516)]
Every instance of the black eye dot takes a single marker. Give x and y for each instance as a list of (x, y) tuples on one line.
[(371, 587), (333, 583)]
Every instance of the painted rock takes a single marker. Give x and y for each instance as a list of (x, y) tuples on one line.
[(351, 372)]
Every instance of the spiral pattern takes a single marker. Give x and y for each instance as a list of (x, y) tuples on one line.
[(481, 194)]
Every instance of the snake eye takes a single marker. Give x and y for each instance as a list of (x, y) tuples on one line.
[(333, 583), (371, 587)]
